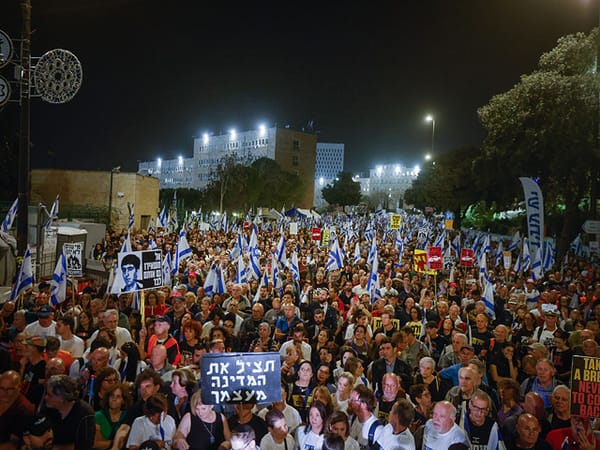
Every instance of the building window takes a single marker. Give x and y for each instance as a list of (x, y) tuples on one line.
[(295, 160), (296, 144)]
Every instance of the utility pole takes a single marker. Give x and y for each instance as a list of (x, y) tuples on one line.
[(24, 137)]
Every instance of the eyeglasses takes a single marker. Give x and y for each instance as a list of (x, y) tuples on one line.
[(355, 400), (478, 409)]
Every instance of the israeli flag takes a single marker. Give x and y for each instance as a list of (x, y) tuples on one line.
[(152, 244), (356, 253), (163, 220), (456, 245), (373, 275), (577, 246), (241, 273), (151, 228), (131, 216), (372, 252), (166, 270), (335, 256), (126, 247), (517, 266), (280, 251), (223, 223), (183, 249), (254, 253), (10, 216), (499, 255), (53, 213), (439, 241), (212, 281), (294, 266), (537, 269), (515, 242), (484, 277), (488, 299), (277, 282), (526, 260), (58, 284), (25, 279), (549, 256)]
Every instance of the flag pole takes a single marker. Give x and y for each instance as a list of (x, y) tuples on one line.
[(142, 308)]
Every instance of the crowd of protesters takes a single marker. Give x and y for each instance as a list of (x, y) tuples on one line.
[(422, 364)]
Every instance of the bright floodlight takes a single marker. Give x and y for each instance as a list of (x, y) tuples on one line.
[(233, 135), (427, 157), (429, 118), (262, 130), (417, 169), (180, 160), (379, 170), (205, 138), (397, 169), (321, 181), (159, 162)]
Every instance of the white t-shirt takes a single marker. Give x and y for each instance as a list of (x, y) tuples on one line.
[(123, 335), (363, 438), (142, 430), (75, 346), (401, 441), (306, 349), (291, 414), (35, 329), (308, 441), (267, 443), (432, 440), (351, 444)]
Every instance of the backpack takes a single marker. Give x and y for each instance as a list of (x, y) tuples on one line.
[(372, 444)]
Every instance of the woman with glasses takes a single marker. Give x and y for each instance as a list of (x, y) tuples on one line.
[(111, 416), (479, 426), (310, 436), (300, 396), (105, 379)]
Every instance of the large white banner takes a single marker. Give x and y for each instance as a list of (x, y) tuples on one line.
[(534, 203)]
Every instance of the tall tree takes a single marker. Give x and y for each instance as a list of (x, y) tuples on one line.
[(343, 191), (546, 127)]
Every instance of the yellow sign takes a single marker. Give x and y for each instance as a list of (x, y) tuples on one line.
[(420, 262), (395, 221), (325, 237), (448, 223)]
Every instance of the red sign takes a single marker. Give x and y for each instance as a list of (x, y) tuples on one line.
[(246, 225), (467, 257), (434, 258), (316, 234)]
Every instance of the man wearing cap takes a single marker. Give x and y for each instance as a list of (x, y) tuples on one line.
[(44, 325), (161, 335), (15, 409), (192, 284), (544, 334), (38, 434), (33, 369)]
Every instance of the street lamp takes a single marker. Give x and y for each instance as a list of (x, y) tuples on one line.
[(112, 172), (431, 119)]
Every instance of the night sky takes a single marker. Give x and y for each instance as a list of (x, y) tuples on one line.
[(158, 73)]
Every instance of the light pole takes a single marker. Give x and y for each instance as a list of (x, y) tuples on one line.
[(431, 119), (110, 192)]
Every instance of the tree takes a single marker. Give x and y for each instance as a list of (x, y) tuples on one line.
[(344, 191), (546, 127), (448, 184)]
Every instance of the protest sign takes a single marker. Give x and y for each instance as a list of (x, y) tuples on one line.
[(585, 386), (73, 251), (467, 257), (240, 378), (138, 270)]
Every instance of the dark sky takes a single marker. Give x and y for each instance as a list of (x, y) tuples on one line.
[(158, 73)]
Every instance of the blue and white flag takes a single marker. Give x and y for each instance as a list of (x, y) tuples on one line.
[(173, 223), (335, 256), (263, 282), (238, 248), (241, 273), (212, 281), (58, 284), (183, 248), (223, 224), (53, 213), (254, 254), (166, 269), (356, 253), (25, 279), (488, 299), (126, 247), (372, 252), (499, 255), (440, 239), (131, 215), (515, 241), (484, 276), (163, 219), (526, 260), (295, 267), (10, 216), (549, 256), (151, 227), (280, 251), (399, 243), (517, 266), (456, 245), (371, 283), (577, 246), (221, 284), (277, 281), (152, 244), (370, 232), (537, 269)]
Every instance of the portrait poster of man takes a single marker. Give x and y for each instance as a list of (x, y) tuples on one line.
[(137, 271)]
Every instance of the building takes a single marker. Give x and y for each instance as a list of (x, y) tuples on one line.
[(388, 183), (293, 150), (329, 163), (84, 194)]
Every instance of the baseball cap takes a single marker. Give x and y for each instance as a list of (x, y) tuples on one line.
[(37, 427), (192, 275), (453, 284), (468, 347), (552, 312), (165, 319), (45, 311)]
